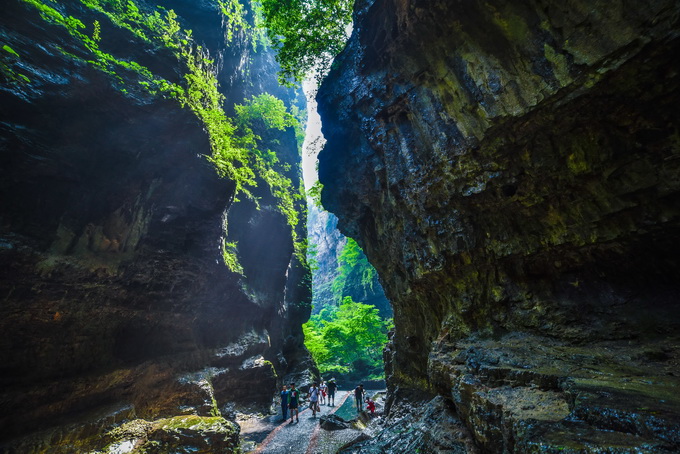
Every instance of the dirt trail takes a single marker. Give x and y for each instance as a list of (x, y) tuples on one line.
[(305, 437)]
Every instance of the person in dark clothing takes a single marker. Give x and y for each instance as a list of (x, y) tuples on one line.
[(359, 397), (331, 391), (293, 396), (284, 402)]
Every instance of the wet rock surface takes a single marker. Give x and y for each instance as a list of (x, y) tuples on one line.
[(512, 173), (422, 426), (333, 422), (112, 222)]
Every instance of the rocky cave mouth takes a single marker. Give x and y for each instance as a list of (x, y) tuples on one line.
[(493, 240)]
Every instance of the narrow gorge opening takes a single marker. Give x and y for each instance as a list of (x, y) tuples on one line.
[(351, 316)]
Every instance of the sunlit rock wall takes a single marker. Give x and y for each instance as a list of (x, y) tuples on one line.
[(116, 302), (512, 171), (327, 243)]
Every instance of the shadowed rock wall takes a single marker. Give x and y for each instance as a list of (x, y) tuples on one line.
[(511, 170), (116, 302)]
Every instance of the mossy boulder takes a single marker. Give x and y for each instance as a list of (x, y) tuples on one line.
[(177, 435)]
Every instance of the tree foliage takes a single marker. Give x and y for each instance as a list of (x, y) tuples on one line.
[(307, 33), (347, 339), (266, 110)]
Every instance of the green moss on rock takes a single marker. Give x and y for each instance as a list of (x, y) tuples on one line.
[(177, 435)]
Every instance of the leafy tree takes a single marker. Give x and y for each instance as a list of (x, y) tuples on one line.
[(266, 110), (307, 33), (347, 339)]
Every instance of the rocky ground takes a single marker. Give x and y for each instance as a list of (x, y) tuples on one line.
[(522, 393), (330, 431)]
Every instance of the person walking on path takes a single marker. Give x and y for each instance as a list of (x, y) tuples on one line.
[(314, 399), (293, 400), (331, 391), (284, 402), (323, 389), (359, 397)]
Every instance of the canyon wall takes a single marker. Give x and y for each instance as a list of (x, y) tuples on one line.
[(512, 171), (327, 243), (119, 300)]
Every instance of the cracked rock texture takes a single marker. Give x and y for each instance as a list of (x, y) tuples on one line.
[(116, 302), (512, 170)]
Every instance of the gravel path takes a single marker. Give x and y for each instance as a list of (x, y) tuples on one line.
[(305, 437)]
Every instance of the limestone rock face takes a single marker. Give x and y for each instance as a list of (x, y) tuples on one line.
[(116, 300), (328, 244), (512, 170)]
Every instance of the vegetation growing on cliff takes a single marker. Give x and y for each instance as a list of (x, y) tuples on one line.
[(314, 193), (352, 260), (8, 59), (308, 34), (264, 113), (238, 151), (348, 340)]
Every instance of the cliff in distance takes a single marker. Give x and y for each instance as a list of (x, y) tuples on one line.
[(134, 285), (328, 244), (512, 171)]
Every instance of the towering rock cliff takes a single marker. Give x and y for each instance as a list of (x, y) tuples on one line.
[(328, 244), (512, 171), (120, 295)]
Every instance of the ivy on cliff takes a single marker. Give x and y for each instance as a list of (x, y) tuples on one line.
[(265, 113), (236, 151), (8, 62), (235, 22), (102, 60)]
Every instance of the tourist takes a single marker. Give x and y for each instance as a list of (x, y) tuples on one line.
[(331, 391), (314, 399), (323, 388), (284, 402), (359, 397), (293, 397), (370, 405)]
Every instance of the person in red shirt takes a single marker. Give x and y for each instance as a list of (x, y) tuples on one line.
[(370, 405)]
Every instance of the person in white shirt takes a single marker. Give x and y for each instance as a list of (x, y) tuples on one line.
[(323, 388)]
